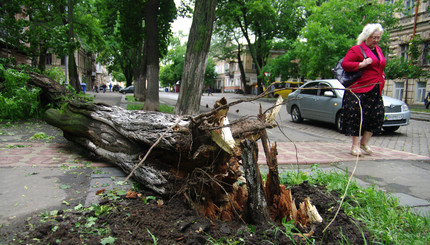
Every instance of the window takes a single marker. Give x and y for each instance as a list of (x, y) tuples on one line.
[(426, 54), (48, 59), (399, 88), (311, 88), (421, 92), (404, 48), (410, 4), (63, 61)]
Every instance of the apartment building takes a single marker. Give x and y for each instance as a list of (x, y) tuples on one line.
[(229, 76), (414, 21)]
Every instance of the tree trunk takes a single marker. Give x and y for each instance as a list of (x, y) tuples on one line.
[(140, 74), (198, 157), (42, 58), (196, 58), (152, 102), (246, 88), (73, 70), (256, 198)]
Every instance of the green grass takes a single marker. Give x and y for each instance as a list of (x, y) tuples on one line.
[(133, 105), (420, 110), (389, 222)]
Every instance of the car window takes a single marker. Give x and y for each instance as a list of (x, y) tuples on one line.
[(323, 88), (310, 88)]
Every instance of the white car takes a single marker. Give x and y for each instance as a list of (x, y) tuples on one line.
[(324, 103)]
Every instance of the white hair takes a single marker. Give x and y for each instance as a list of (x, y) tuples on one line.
[(368, 30)]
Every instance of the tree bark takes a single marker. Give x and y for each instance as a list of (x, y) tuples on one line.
[(140, 74), (256, 196), (73, 70), (196, 58), (152, 101)]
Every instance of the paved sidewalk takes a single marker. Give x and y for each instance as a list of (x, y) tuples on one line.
[(15, 154), (303, 153)]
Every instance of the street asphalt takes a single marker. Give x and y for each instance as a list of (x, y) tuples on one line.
[(43, 176)]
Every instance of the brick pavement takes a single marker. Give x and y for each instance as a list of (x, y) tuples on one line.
[(330, 152), (24, 154), (413, 138), (60, 154)]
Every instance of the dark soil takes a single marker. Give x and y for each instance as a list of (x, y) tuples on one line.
[(134, 221)]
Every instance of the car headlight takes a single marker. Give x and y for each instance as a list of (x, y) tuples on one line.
[(405, 107)]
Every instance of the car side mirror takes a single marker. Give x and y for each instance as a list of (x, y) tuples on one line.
[(329, 94)]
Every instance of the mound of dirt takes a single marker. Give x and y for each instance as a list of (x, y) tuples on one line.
[(134, 221)]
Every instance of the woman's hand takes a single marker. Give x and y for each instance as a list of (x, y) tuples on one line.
[(365, 63)]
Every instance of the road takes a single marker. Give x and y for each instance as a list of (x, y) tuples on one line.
[(413, 138)]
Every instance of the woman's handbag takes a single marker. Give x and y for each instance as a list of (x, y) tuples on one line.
[(344, 77)]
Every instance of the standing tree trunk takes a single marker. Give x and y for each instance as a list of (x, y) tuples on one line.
[(73, 70), (242, 70), (196, 58), (152, 102), (140, 74)]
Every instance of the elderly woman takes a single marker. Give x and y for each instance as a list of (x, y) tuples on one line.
[(365, 91)]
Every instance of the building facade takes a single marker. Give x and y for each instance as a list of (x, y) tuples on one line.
[(229, 76), (415, 21)]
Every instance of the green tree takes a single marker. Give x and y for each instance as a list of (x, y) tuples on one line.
[(173, 63), (11, 28), (332, 28), (119, 48), (210, 74), (261, 23)]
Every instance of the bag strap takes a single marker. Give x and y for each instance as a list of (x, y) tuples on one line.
[(362, 50)]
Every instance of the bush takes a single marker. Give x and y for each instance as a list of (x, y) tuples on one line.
[(56, 74), (17, 99)]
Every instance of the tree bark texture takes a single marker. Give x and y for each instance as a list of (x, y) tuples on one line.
[(140, 73), (256, 196), (73, 70), (196, 58), (152, 102)]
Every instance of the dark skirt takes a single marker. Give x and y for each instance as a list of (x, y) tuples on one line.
[(373, 112)]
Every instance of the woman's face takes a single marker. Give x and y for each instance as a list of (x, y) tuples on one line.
[(373, 39)]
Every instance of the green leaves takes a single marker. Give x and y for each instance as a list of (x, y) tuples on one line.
[(18, 100), (332, 28)]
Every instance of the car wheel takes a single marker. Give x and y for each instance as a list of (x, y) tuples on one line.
[(337, 122), (391, 129), (295, 115)]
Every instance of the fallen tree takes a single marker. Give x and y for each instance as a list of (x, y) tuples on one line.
[(201, 157)]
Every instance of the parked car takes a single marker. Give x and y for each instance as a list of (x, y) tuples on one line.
[(129, 89), (320, 100), (284, 88), (116, 88)]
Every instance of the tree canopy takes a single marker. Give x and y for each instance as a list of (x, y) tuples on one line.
[(331, 29)]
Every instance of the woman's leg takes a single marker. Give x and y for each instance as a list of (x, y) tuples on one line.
[(364, 142), (355, 149), (366, 137)]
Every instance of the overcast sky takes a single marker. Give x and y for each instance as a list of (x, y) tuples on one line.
[(180, 23)]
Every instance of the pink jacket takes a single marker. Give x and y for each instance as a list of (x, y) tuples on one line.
[(372, 74)]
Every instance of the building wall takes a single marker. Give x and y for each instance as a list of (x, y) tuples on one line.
[(229, 77), (413, 89)]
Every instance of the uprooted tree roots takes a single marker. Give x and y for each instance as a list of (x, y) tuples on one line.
[(201, 157)]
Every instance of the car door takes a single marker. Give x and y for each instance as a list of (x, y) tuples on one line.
[(306, 100), (325, 106)]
